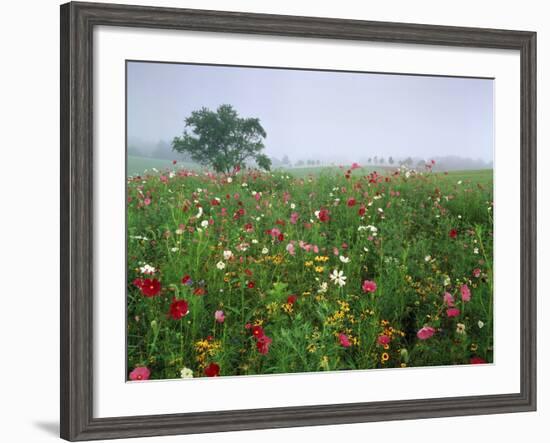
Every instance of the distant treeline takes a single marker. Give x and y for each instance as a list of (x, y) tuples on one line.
[(163, 150)]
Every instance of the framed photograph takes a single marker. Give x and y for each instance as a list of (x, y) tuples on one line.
[(272, 221)]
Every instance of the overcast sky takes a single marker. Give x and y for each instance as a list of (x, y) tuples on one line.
[(331, 116)]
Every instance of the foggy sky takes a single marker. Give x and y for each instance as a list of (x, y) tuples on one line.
[(320, 115)]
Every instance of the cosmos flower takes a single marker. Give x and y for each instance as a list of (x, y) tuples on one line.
[(453, 312), (425, 333), (227, 255), (213, 369), (448, 299), (453, 233), (465, 292), (219, 316), (369, 286), (140, 373), (337, 277), (150, 287), (383, 340), (147, 269), (178, 309), (344, 340), (262, 344), (220, 265)]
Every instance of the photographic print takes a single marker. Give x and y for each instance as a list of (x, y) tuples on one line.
[(293, 220)]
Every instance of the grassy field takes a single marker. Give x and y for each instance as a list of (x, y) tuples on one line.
[(139, 165), (263, 273)]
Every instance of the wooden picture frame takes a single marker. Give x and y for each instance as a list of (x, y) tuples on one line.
[(77, 23)]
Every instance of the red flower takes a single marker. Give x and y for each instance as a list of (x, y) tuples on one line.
[(368, 286), (476, 272), (281, 237), (214, 202), (251, 285), (324, 215), (178, 309), (453, 233), (291, 299), (362, 211), (186, 279), (174, 162), (383, 340), (263, 344), (150, 287), (257, 331), (140, 373), (199, 291), (351, 202), (477, 361), (212, 370)]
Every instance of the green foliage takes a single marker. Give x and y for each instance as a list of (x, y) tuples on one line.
[(222, 139), (411, 257)]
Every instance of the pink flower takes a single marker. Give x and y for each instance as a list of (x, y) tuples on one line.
[(344, 340), (140, 373), (477, 361), (476, 272), (448, 299), (355, 165), (147, 201), (383, 340), (290, 249), (294, 217), (219, 316), (263, 343), (453, 312), (369, 286), (466, 294), (352, 202), (425, 333)]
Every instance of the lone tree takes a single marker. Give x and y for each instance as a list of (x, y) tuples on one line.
[(222, 139)]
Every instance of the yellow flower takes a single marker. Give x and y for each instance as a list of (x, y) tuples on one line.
[(307, 264), (319, 269), (384, 357)]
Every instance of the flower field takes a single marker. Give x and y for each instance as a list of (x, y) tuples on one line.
[(263, 273)]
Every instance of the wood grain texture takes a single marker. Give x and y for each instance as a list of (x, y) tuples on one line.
[(77, 23)]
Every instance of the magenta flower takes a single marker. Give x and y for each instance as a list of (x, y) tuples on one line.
[(453, 312), (425, 333), (448, 299), (383, 340), (369, 286), (140, 373), (294, 218), (466, 294), (476, 272), (219, 316), (344, 340)]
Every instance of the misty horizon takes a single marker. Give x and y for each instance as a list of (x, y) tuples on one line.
[(322, 115)]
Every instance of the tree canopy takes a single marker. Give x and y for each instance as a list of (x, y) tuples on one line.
[(222, 140)]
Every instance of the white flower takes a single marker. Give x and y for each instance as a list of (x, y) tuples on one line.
[(220, 265), (227, 255), (480, 324), (199, 190), (179, 231), (323, 287), (254, 241), (265, 251), (380, 210), (317, 213), (204, 224), (344, 259), (427, 258), (476, 250), (186, 373), (244, 185), (338, 277), (174, 249), (199, 214), (147, 269), (460, 328), (446, 281), (292, 206), (229, 179), (172, 174), (459, 182)]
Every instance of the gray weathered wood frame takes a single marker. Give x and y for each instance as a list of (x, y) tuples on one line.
[(77, 23)]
